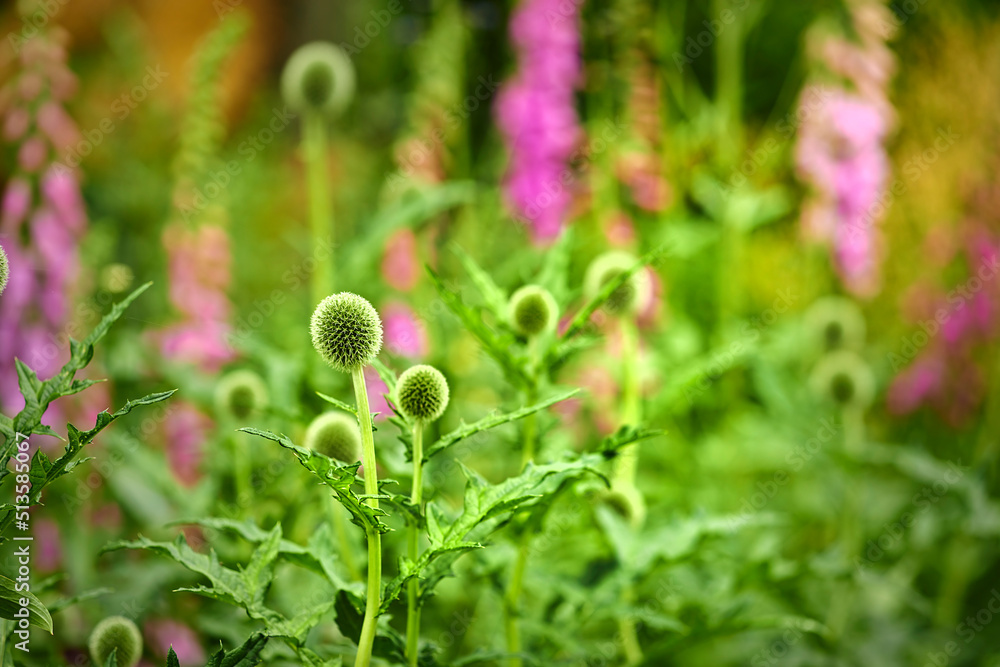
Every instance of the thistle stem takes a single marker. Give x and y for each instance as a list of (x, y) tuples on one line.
[(374, 537), (413, 587), (626, 467), (241, 471), (512, 600), (851, 529), (314, 142), (627, 461), (512, 604)]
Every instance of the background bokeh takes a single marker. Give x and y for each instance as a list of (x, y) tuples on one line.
[(768, 154)]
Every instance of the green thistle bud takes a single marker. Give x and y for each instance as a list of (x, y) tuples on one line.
[(630, 297), (240, 394), (318, 77), (532, 310), (116, 633), (346, 331), (335, 434), (835, 323), (422, 393), (843, 378), (4, 270)]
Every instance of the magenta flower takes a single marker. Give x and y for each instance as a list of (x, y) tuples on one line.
[(198, 265), (840, 153), (46, 198), (536, 113), (404, 335)]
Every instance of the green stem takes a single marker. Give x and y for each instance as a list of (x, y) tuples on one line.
[(530, 422), (629, 635), (320, 209), (374, 537), (512, 603), (626, 467), (241, 471), (850, 530), (413, 587), (627, 461)]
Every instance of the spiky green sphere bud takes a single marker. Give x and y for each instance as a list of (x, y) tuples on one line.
[(318, 77), (532, 310), (632, 296), (346, 331), (116, 632), (240, 394), (422, 393), (4, 270), (843, 378), (335, 434), (835, 323)]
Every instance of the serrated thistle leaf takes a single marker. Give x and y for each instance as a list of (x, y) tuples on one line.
[(346, 407), (492, 421), (335, 475), (486, 507), (43, 471)]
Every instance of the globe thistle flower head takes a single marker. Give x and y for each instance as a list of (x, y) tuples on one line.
[(843, 378), (240, 394), (532, 310), (4, 270), (336, 435), (116, 633), (422, 393), (835, 323), (318, 77), (346, 331), (632, 296)]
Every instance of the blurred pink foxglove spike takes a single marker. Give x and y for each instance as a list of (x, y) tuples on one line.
[(536, 113), (404, 335), (15, 206)]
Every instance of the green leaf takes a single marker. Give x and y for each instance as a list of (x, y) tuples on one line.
[(492, 421), (346, 407), (10, 605), (626, 435), (485, 508), (112, 660), (335, 475), (247, 655), (172, 658)]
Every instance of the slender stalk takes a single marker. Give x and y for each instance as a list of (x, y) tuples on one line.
[(241, 471), (314, 142), (626, 467), (374, 538), (512, 604), (850, 530), (413, 587), (512, 599)]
